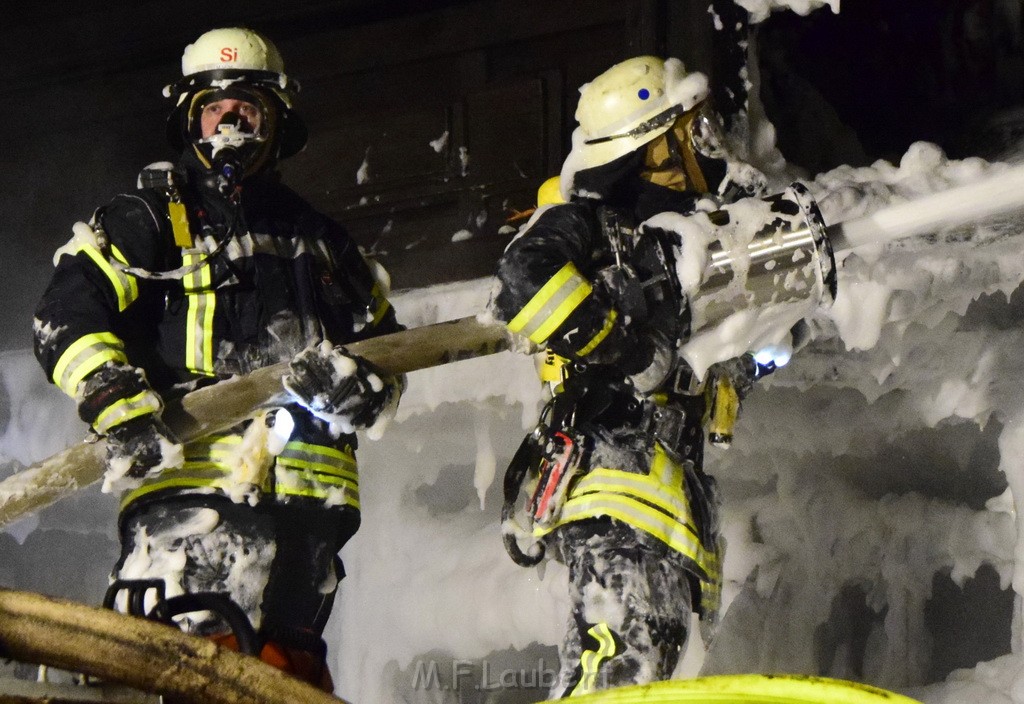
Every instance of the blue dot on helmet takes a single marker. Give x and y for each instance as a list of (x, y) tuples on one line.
[(643, 94)]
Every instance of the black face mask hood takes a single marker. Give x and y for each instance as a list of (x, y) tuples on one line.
[(618, 184)]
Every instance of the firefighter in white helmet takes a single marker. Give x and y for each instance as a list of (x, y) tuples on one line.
[(613, 472), (212, 269)]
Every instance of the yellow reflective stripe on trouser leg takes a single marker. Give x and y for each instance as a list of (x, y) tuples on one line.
[(199, 322), (85, 355), (550, 306), (591, 660), (125, 409)]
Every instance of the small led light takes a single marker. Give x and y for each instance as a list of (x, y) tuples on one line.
[(779, 356), (280, 432)]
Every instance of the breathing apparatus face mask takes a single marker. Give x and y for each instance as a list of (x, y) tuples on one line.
[(232, 132)]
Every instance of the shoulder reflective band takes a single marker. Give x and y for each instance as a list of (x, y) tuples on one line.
[(550, 306), (179, 223), (126, 289), (125, 409), (84, 356), (748, 689), (199, 322), (590, 660)]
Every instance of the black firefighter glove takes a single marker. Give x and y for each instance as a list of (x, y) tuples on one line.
[(140, 447), (343, 389), (117, 402)]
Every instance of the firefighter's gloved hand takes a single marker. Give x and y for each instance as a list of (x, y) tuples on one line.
[(343, 389), (117, 402), (141, 447), (113, 394)]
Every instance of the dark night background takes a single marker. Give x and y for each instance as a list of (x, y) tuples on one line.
[(82, 109)]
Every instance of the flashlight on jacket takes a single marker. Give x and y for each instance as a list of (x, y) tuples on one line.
[(723, 408)]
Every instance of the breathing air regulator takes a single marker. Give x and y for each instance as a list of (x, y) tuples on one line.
[(226, 155)]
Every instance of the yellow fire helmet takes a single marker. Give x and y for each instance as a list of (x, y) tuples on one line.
[(550, 192), (627, 106)]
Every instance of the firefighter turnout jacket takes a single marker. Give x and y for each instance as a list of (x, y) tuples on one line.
[(191, 287), (580, 280)]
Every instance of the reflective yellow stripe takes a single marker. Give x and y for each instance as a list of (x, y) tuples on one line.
[(299, 450), (199, 322), (212, 447), (748, 689), (637, 486), (328, 471), (662, 486), (379, 305), (84, 356), (349, 496), (131, 285), (711, 588), (125, 287), (201, 469), (609, 323), (142, 403), (590, 661), (179, 479), (636, 513), (654, 503), (305, 469), (550, 306)]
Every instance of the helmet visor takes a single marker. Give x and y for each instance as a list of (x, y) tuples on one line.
[(240, 119), (239, 114), (670, 160), (660, 120)]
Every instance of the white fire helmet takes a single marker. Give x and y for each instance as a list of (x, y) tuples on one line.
[(630, 104), (241, 63), (232, 48)]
